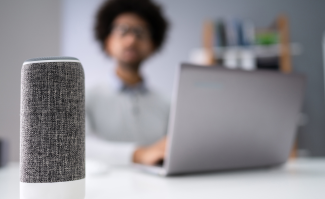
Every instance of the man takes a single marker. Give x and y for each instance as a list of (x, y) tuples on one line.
[(127, 124)]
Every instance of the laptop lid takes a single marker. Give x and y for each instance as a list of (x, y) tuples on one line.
[(228, 119)]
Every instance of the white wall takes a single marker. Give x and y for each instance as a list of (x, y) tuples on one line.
[(28, 28)]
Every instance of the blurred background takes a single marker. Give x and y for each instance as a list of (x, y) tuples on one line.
[(37, 28)]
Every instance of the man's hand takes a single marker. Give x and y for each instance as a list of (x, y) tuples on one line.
[(150, 155)]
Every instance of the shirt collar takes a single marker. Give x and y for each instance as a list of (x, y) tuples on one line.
[(119, 85)]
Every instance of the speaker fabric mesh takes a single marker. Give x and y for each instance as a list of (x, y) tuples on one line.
[(52, 130)]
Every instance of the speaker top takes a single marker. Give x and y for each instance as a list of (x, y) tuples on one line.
[(51, 59)]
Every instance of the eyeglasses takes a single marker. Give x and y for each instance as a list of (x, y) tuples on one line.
[(122, 30)]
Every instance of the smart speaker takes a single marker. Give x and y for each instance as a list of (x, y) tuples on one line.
[(52, 129)]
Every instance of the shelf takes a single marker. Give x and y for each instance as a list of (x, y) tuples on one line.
[(259, 51), (199, 55)]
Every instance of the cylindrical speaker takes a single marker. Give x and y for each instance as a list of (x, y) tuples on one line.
[(52, 129)]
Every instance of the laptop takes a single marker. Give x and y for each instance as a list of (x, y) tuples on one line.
[(225, 119)]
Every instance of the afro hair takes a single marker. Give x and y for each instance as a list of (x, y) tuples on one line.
[(146, 9)]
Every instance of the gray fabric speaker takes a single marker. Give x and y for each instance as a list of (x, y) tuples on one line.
[(52, 129)]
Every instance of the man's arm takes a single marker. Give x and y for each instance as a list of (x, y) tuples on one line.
[(115, 153), (122, 153)]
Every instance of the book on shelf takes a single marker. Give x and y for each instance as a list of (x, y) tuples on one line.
[(237, 43)]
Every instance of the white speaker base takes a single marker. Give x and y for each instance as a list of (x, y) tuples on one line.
[(56, 190)]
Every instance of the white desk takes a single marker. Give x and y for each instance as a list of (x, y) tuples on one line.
[(303, 178)]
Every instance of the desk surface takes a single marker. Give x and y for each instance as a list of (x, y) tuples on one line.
[(302, 178)]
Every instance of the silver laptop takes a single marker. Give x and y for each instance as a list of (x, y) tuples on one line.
[(230, 119)]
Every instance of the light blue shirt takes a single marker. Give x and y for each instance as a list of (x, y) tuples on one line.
[(120, 118)]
